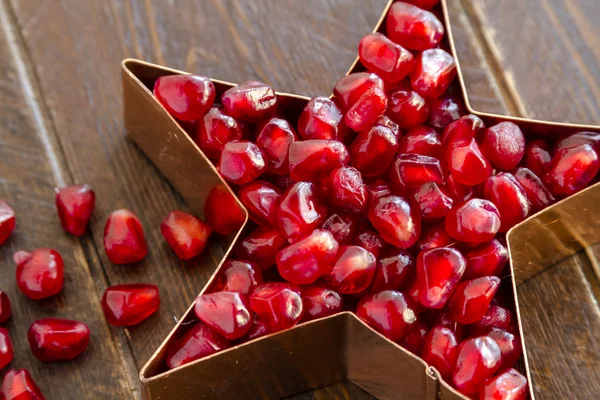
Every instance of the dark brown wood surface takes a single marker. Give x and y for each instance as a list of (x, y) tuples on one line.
[(60, 123)]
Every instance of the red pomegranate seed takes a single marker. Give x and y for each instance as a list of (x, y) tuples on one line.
[(274, 139), (367, 110), (577, 139), (278, 304), (466, 163), (538, 195), (130, 304), (434, 71), (441, 350), (422, 140), (475, 221), (373, 150), (222, 211), (457, 190), (343, 226), (321, 119), (283, 182), (242, 162), (438, 272), (487, 259), (444, 318), (495, 317), (410, 171), (389, 313), (353, 270), (227, 313), (394, 268), (412, 297), (413, 27), (200, 341), (396, 220), (187, 97), (510, 198), (124, 240), (53, 339), (465, 128), (6, 349), (7, 221), (350, 88), (434, 236), (472, 298), (433, 201), (370, 240), (445, 110), (388, 123), (250, 101), (504, 145), (301, 210), (425, 4), (319, 301), (19, 385), (186, 234), (347, 190), (509, 385), (216, 129), (571, 170), (390, 61), (415, 340), (75, 205), (238, 276), (261, 246), (257, 330), (5, 308), (377, 189), (40, 274), (509, 343), (261, 199), (537, 157), (478, 359), (407, 108), (312, 160)]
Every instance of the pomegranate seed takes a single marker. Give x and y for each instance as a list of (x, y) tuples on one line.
[(438, 272), (425, 4), (347, 190), (200, 341), (124, 240), (5, 308), (388, 123), (257, 330), (187, 97), (40, 274), (222, 211), (465, 128), (415, 340), (186, 234), (343, 226), (242, 162), (571, 170), (457, 190), (6, 349), (394, 268), (407, 108), (373, 150), (390, 61), (321, 119), (377, 189), (250, 101), (577, 139), (19, 385), (312, 160), (283, 182), (509, 385), (434, 71), (475, 221), (227, 313), (319, 301), (537, 157), (412, 297), (434, 236), (410, 171), (509, 343), (370, 240), (444, 318), (214, 130), (466, 163), (495, 317), (504, 145), (509, 197), (278, 304), (353, 270), (478, 359), (7, 221), (422, 140), (445, 110), (274, 139), (472, 298), (238, 276), (53, 339), (396, 221), (75, 205), (261, 199), (129, 304), (413, 27), (350, 88), (441, 350), (367, 109), (261, 247), (433, 201), (539, 197), (389, 313), (301, 210), (487, 259)]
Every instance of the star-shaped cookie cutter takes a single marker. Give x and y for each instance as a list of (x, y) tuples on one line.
[(340, 347)]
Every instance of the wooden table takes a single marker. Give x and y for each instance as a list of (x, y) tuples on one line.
[(60, 123)]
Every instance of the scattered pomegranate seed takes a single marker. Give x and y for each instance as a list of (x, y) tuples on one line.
[(577, 139), (444, 318), (75, 205), (413, 27), (478, 359), (200, 341), (261, 247), (475, 221), (242, 161), (6, 349), (353, 270), (250, 101), (434, 236), (257, 330), (465, 128), (434, 71), (19, 385), (412, 298), (538, 195), (459, 192), (373, 150), (571, 169), (274, 139), (186, 234), (504, 145), (370, 240), (415, 340), (347, 190), (396, 220), (227, 313), (445, 110), (238, 276), (509, 343), (422, 140), (222, 211), (124, 240), (343, 226), (537, 157), (319, 301), (394, 268), (215, 130), (321, 119), (407, 108), (389, 313), (495, 317), (187, 97), (509, 385), (40, 274), (438, 272), (366, 110), (387, 59), (487, 259), (278, 304), (130, 304), (351, 87), (7, 221), (433, 201), (472, 298), (5, 308), (440, 350), (388, 123), (466, 163), (509, 197), (301, 210), (312, 160), (261, 199), (53, 339), (410, 171)]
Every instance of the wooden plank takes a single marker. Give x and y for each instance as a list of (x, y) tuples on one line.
[(30, 168)]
